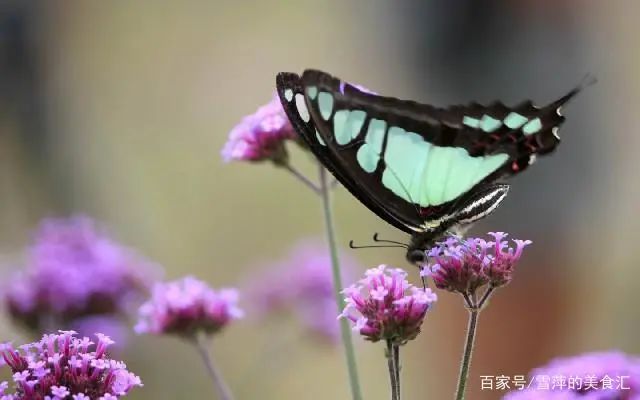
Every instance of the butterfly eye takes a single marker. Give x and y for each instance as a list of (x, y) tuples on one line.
[(416, 257)]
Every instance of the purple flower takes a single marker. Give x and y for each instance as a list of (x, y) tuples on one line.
[(59, 392), (62, 366), (302, 283), (74, 271), (260, 136), (385, 306), (591, 376), (187, 306), (464, 265), (359, 87)]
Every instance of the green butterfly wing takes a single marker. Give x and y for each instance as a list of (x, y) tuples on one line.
[(413, 164)]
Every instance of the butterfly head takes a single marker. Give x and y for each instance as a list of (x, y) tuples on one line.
[(420, 243)]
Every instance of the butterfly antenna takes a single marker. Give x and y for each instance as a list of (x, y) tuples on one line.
[(353, 246), (588, 80), (377, 239)]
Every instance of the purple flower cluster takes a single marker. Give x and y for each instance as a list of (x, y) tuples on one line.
[(186, 307), (74, 271), (464, 265), (64, 367), (260, 136), (591, 376), (385, 306), (302, 283)]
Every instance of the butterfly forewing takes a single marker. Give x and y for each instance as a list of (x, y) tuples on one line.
[(290, 90), (415, 164), (395, 148)]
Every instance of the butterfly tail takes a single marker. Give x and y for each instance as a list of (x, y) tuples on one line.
[(587, 81)]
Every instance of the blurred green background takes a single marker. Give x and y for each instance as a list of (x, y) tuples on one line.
[(119, 110)]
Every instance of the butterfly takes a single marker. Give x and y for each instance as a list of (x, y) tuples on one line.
[(425, 170)]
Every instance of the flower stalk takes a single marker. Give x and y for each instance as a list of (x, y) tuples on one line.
[(468, 351), (301, 177), (224, 393), (394, 376), (345, 332), (396, 359), (474, 307)]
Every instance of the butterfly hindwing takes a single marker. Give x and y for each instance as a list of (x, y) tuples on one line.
[(480, 203)]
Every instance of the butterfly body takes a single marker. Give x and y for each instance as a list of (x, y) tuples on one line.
[(423, 169)]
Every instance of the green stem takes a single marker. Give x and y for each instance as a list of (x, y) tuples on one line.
[(468, 351), (393, 373), (474, 306), (224, 393), (345, 331), (301, 177), (485, 297), (396, 360)]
